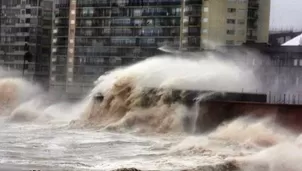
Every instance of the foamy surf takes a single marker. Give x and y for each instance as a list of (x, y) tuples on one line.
[(135, 128)]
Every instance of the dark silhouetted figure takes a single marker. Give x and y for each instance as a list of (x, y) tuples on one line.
[(27, 57)]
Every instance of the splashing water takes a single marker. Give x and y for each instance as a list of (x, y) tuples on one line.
[(123, 90), (206, 73), (136, 100), (14, 91)]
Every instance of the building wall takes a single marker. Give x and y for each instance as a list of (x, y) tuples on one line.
[(214, 21), (234, 22), (92, 37), (263, 21), (59, 47)]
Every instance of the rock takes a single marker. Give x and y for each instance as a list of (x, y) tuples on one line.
[(127, 169), (218, 167)]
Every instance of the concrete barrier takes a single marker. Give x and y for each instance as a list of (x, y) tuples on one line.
[(213, 113)]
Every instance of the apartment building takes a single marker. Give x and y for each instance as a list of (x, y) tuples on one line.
[(234, 22), (25, 37), (91, 37)]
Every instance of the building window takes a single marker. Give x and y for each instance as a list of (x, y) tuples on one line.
[(231, 10), (206, 9), (205, 30), (230, 32), (241, 21), (229, 42), (137, 12), (241, 12), (28, 11), (295, 62), (88, 23), (239, 42), (205, 20), (87, 11), (231, 21), (241, 32)]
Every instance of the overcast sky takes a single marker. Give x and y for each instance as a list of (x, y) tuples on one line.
[(286, 14)]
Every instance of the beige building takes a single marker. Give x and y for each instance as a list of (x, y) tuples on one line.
[(233, 22)]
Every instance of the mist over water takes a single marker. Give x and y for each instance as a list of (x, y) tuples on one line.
[(120, 124)]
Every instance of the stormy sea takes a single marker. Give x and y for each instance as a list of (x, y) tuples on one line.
[(120, 125)]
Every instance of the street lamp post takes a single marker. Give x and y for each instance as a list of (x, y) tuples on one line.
[(27, 57)]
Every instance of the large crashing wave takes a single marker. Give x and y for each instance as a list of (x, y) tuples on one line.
[(127, 103)]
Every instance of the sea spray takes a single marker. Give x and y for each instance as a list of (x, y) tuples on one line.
[(24, 101), (14, 91), (27, 111), (281, 157), (203, 73), (124, 96), (262, 132)]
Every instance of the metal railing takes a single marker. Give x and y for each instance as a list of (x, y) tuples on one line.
[(284, 98)]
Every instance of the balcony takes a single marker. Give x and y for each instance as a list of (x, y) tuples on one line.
[(62, 5), (150, 3), (252, 15), (251, 38), (61, 43), (252, 25), (192, 13), (193, 2), (100, 4), (192, 34), (253, 5), (161, 13), (192, 23), (62, 14)]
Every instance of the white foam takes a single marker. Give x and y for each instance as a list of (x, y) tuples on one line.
[(203, 73)]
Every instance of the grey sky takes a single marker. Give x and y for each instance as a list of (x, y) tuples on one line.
[(286, 14)]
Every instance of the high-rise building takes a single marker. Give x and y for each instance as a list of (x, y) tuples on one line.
[(234, 22), (25, 37), (92, 37)]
